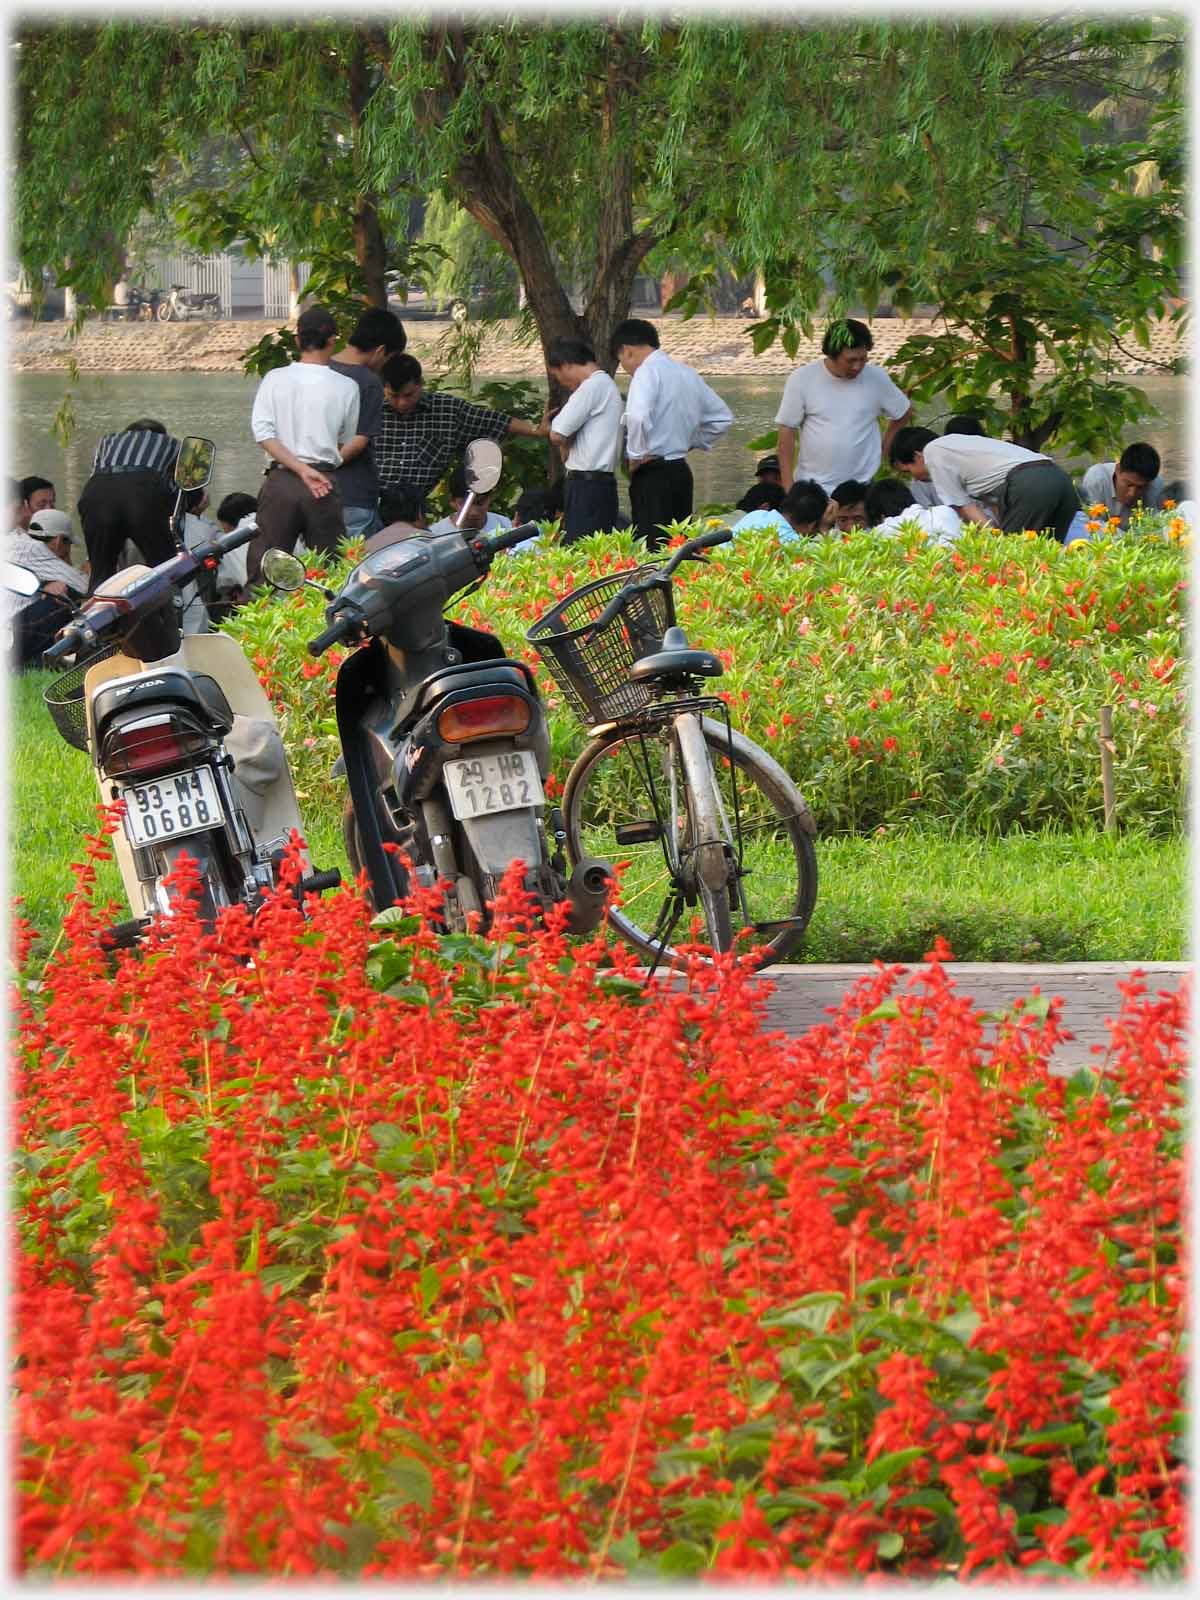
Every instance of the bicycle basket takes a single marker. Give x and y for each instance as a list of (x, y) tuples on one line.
[(593, 673), (63, 699)]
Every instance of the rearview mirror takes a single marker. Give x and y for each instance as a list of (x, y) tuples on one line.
[(483, 462), (18, 580), (283, 571), (193, 467)]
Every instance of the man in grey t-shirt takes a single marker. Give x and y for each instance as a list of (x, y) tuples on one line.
[(1028, 489), (1126, 485), (377, 335)]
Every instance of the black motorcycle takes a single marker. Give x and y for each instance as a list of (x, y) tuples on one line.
[(444, 741)]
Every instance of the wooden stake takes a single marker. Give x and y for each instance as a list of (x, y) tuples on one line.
[(1107, 750)]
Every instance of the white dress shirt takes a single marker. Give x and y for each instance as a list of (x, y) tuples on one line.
[(26, 551), (591, 419), (670, 410), (311, 410)]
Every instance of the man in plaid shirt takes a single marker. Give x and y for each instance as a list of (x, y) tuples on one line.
[(421, 434)]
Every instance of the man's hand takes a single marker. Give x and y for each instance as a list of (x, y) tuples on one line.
[(317, 484), (56, 588)]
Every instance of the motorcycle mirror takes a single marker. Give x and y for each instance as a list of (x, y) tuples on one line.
[(282, 570), (483, 462), (18, 580), (194, 465)]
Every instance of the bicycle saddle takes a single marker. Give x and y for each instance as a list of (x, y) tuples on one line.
[(676, 660)]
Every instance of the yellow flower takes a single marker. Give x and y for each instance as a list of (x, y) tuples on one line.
[(1168, 505), (1114, 522), (1092, 527), (1098, 510), (1076, 544), (1029, 533), (1177, 527)]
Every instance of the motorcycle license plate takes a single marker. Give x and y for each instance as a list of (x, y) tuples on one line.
[(486, 784), (186, 802)]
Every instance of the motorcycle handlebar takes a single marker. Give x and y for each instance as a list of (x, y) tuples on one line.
[(491, 544), (74, 638), (341, 628)]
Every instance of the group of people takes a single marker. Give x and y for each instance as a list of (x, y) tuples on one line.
[(831, 448), (355, 443)]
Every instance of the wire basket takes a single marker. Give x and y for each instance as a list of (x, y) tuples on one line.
[(594, 674), (64, 701)]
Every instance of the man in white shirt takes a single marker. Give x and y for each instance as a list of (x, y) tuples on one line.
[(1028, 489), (890, 509), (36, 618), (1121, 486), (828, 418), (587, 430), (303, 415), (669, 410)]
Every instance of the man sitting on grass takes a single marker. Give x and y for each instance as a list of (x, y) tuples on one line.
[(798, 515), (845, 510), (891, 509)]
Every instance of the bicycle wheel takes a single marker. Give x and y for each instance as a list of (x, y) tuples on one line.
[(708, 854), (615, 806)]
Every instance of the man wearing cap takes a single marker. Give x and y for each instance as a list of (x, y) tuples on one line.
[(766, 472), (44, 549), (129, 496), (303, 415)]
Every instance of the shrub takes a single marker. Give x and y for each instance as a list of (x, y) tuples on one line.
[(385, 1255), (893, 680)]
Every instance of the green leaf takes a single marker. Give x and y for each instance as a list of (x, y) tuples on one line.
[(683, 1559), (397, 920), (889, 1545), (1068, 1433), (884, 1468), (317, 1445), (411, 1479)]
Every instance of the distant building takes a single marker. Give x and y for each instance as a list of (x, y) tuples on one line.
[(247, 288)]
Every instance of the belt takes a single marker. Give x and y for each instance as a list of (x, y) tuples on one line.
[(1024, 466), (110, 472), (591, 476)]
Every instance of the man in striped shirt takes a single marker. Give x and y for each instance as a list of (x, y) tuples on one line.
[(129, 496)]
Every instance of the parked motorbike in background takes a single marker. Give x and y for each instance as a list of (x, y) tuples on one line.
[(183, 305), (444, 739), (178, 728)]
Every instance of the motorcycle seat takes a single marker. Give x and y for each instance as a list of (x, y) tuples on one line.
[(463, 676), (196, 690)]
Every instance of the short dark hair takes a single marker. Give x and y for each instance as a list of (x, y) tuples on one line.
[(965, 422), (569, 352), (399, 371), (145, 425), (1143, 459), (804, 502), (235, 506), (850, 492), (539, 503), (192, 498), (315, 326), (400, 502), (633, 331), (761, 497), (379, 327), (906, 444), (846, 333), (456, 484), (1175, 490), (31, 485), (887, 498)]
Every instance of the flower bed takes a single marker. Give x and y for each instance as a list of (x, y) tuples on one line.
[(893, 680), (385, 1255)]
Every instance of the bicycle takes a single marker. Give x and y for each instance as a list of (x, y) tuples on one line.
[(697, 814)]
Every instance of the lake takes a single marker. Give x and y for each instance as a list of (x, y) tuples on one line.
[(217, 405)]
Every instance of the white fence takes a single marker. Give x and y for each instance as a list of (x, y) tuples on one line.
[(245, 288), (277, 286)]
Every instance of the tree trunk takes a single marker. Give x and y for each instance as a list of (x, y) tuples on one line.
[(369, 248)]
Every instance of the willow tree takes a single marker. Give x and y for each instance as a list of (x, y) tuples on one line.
[(952, 164)]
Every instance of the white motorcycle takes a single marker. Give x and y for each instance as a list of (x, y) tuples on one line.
[(179, 729), (183, 304)]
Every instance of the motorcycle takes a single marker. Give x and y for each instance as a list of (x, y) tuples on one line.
[(179, 729), (444, 740), (182, 304)]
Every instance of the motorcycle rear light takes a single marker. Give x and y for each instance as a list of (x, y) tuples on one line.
[(483, 718), (151, 744)]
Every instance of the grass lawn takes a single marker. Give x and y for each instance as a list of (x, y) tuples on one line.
[(1023, 897)]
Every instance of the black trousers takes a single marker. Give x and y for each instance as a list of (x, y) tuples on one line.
[(116, 506), (1038, 495), (591, 506), (35, 626), (659, 492)]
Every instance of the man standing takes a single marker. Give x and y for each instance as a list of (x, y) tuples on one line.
[(377, 336), (1029, 490), (1121, 485), (129, 496), (421, 433), (828, 418), (586, 431), (669, 410), (303, 415)]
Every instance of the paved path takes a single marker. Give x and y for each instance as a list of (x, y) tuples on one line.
[(803, 994)]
